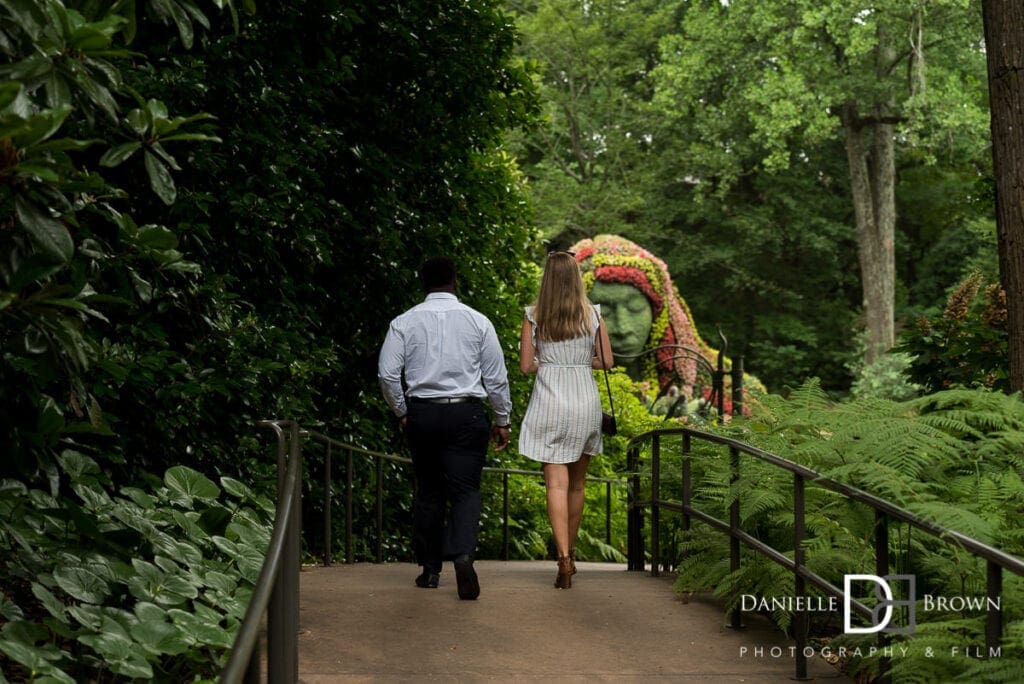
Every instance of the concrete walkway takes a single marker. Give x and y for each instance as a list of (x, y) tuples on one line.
[(368, 622)]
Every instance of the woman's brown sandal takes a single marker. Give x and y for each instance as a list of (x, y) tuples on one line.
[(564, 579), (572, 560)]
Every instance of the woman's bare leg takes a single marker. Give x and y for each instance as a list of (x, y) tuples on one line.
[(577, 479), (556, 482)]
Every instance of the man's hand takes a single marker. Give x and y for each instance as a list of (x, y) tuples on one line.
[(500, 433)]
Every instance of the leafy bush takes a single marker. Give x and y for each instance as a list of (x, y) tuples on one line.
[(966, 344), (885, 378), (125, 583)]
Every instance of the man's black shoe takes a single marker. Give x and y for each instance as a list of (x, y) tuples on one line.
[(428, 580), (465, 576)]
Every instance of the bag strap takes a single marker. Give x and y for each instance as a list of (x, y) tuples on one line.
[(608, 385)]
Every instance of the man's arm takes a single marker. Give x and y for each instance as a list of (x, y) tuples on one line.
[(389, 370), (495, 378)]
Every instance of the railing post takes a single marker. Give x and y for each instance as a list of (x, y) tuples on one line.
[(253, 673), (504, 514), (737, 386), (348, 506), (994, 618), (380, 510), (734, 526), (293, 564), (635, 516), (608, 513), (282, 626), (327, 506), (687, 493), (718, 385), (655, 505), (882, 569), (801, 621)]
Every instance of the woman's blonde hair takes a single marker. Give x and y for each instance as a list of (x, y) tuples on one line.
[(562, 310)]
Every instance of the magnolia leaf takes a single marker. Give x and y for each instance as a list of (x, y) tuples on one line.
[(41, 172), (160, 179), (184, 267), (142, 287), (28, 69), (138, 121), (119, 153), (50, 236), (98, 93), (9, 92), (192, 137), (157, 237), (159, 150), (88, 39)]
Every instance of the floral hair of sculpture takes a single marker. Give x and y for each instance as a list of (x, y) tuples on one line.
[(614, 259)]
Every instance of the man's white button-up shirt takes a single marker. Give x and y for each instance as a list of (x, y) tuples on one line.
[(446, 349)]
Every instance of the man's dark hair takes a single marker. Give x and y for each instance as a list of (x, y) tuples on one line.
[(437, 273)]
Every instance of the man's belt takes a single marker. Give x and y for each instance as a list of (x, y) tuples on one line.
[(442, 400)]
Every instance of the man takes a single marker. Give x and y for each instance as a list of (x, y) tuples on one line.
[(452, 360)]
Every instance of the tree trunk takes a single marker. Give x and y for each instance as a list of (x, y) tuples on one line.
[(872, 184), (1004, 45)]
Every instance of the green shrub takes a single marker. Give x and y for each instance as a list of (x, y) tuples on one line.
[(125, 583), (966, 344)]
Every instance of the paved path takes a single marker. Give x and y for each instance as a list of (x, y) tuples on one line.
[(368, 622)]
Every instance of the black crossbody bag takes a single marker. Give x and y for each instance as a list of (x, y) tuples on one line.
[(608, 426)]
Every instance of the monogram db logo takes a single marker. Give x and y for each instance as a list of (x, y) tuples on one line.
[(883, 613)]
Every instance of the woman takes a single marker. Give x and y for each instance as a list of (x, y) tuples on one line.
[(562, 426)]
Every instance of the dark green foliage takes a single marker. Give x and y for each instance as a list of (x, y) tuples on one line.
[(129, 583), (966, 344), (952, 457), (243, 263)]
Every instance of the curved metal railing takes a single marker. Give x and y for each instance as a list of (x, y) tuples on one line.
[(277, 587), (350, 450), (996, 560)]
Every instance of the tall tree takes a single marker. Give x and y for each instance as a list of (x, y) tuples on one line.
[(762, 85), (588, 160), (1004, 46)]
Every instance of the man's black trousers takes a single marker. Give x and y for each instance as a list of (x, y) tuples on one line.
[(448, 444)]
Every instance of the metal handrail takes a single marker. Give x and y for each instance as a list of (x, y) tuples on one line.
[(380, 457), (997, 560), (277, 587)]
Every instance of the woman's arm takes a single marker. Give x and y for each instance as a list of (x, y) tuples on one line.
[(604, 358), (527, 352)]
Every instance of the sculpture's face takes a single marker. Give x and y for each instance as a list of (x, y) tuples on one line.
[(627, 315)]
